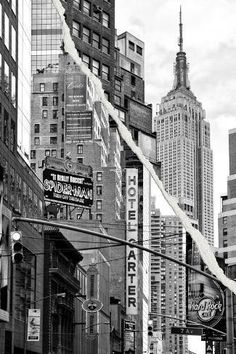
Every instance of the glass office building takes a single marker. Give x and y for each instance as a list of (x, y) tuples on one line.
[(46, 34)]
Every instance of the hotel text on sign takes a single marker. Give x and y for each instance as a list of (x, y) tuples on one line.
[(132, 236)]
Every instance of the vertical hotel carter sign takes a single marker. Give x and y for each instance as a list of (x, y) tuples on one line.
[(131, 236)]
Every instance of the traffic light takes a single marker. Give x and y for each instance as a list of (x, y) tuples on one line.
[(16, 247), (150, 328)]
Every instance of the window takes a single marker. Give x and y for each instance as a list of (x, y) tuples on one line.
[(44, 101), (80, 160), (105, 46), (99, 205), (86, 35), (33, 154), (225, 232), (105, 72), (53, 140), (13, 42), (133, 80), (132, 67), (80, 149), (96, 40), (7, 30), (87, 7), (99, 217), (99, 176), (36, 128), (55, 114), (105, 20), (96, 67), (33, 166), (131, 45), (55, 101), (97, 16), (42, 87), (139, 50), (53, 128), (77, 4), (99, 190), (6, 78), (118, 85), (86, 60), (0, 20), (55, 86), (36, 141), (54, 153), (44, 113), (62, 153), (47, 153), (117, 100), (76, 29)]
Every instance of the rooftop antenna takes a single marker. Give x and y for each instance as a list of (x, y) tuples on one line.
[(180, 31)]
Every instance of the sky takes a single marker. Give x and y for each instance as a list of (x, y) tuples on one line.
[(209, 40)]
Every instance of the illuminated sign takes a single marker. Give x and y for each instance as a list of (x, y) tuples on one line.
[(67, 188), (78, 126), (207, 308), (131, 236)]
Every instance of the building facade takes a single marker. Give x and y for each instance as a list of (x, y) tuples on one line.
[(21, 191), (183, 147), (168, 283), (226, 230), (92, 26)]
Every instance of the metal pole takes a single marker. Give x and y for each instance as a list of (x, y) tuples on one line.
[(229, 317), (58, 225)]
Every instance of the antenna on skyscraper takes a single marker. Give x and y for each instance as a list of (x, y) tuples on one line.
[(180, 31)]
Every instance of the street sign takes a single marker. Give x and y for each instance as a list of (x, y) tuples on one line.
[(218, 338), (191, 331), (209, 347), (92, 305)]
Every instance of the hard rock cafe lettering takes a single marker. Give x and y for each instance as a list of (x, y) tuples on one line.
[(207, 308)]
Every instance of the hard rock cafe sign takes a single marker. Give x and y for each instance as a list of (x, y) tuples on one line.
[(207, 305), (207, 308)]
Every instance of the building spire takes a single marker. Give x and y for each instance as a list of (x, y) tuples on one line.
[(181, 66), (180, 31)]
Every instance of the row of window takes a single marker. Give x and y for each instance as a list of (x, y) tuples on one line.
[(91, 37), (139, 49), (96, 67), (7, 129), (19, 194), (52, 129), (94, 11), (7, 81), (42, 86), (9, 32), (54, 113), (52, 140), (45, 101)]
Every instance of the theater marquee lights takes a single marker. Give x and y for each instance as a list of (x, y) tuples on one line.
[(132, 236), (67, 188)]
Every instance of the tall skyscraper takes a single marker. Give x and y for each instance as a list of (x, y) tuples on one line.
[(183, 147), (167, 282)]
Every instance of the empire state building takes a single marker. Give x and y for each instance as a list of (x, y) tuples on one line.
[(183, 147)]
